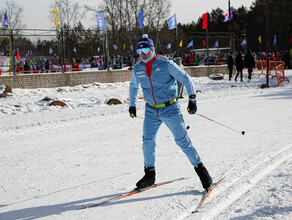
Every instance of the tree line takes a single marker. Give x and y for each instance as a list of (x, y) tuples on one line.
[(123, 27)]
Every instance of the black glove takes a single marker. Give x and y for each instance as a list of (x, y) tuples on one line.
[(192, 107), (132, 111)]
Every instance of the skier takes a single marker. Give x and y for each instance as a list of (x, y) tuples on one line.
[(157, 76)]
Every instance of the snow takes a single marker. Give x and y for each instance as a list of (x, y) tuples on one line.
[(54, 159)]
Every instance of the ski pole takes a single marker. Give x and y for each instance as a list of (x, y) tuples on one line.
[(242, 132)]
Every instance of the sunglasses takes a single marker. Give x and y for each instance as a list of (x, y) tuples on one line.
[(143, 50)]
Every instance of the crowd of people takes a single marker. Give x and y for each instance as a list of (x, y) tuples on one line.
[(117, 62)]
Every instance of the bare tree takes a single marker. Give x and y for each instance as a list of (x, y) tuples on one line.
[(122, 18), (69, 13), (14, 14)]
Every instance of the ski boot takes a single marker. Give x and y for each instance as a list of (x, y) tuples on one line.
[(204, 176), (148, 179)]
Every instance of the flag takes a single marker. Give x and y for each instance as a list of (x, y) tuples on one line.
[(275, 40), (5, 22), (140, 19), (204, 43), (26, 58), (115, 46), (98, 49), (226, 15), (180, 44), (216, 44), (55, 10), (74, 50), (131, 47), (159, 44), (260, 39), (243, 43), (100, 21), (91, 48), (124, 46), (168, 46), (17, 56), (190, 44), (205, 21), (51, 51), (171, 22), (291, 39)]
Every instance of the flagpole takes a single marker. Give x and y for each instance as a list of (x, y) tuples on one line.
[(107, 52), (229, 25), (267, 41), (13, 51), (207, 44)]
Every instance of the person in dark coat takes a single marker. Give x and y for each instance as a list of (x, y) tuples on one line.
[(249, 63), (239, 66), (230, 63)]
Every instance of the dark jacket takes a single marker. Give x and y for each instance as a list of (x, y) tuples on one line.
[(249, 60), (230, 61), (239, 62)]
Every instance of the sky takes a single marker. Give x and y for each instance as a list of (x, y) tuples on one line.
[(36, 12)]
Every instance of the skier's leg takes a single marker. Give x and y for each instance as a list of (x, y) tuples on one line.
[(177, 126)]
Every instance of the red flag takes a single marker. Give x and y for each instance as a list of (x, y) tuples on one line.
[(17, 56), (91, 48), (291, 39), (204, 43), (205, 18)]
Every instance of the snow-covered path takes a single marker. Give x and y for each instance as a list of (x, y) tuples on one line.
[(54, 160)]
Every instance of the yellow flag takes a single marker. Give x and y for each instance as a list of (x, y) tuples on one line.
[(180, 44), (55, 10), (260, 39), (124, 46)]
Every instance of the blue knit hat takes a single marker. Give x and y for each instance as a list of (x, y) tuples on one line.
[(145, 42)]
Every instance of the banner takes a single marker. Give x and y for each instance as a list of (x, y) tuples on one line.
[(243, 43), (100, 21), (140, 19), (5, 22), (55, 10), (226, 15), (205, 21), (172, 22), (190, 44)]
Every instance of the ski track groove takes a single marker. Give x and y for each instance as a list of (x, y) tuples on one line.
[(283, 157), (234, 196)]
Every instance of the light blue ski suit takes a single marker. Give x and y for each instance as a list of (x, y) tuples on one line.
[(158, 82)]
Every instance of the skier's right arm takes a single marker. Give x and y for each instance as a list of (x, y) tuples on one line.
[(134, 87)]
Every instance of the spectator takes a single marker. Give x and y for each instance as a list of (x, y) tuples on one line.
[(239, 66), (230, 63), (249, 63)]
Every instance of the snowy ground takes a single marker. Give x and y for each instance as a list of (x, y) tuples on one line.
[(54, 160)]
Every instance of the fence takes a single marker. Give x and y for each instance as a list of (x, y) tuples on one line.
[(276, 70)]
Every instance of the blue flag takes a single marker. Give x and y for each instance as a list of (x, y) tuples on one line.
[(216, 43), (115, 46), (275, 40), (171, 22), (51, 51), (190, 44), (98, 49), (100, 21), (243, 43), (140, 19), (74, 50), (131, 47), (5, 23), (168, 46)]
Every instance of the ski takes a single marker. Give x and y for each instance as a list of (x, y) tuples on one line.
[(130, 193), (206, 195)]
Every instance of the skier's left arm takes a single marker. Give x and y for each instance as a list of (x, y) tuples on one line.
[(184, 78)]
